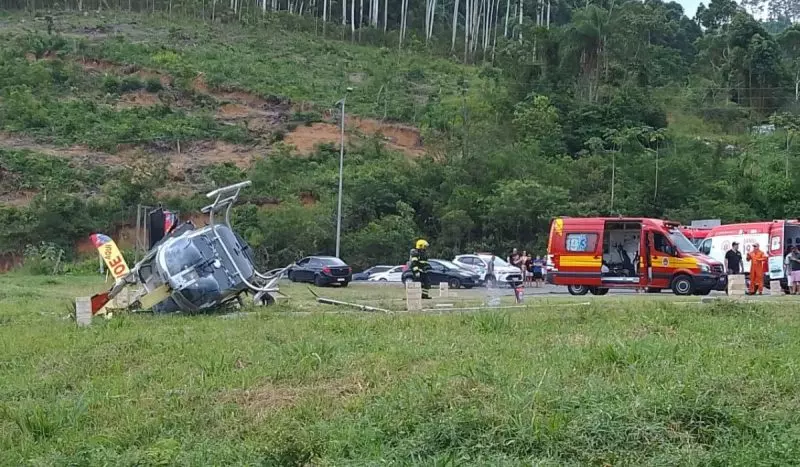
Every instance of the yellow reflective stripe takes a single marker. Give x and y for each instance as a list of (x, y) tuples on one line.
[(580, 261)]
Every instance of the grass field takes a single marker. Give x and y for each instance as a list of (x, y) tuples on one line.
[(617, 382)]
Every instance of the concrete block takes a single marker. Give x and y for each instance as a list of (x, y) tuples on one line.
[(736, 285), (83, 311), (413, 296)]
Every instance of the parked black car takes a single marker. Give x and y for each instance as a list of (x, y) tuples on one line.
[(364, 275), (321, 270), (446, 271)]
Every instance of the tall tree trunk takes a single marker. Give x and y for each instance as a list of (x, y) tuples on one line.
[(427, 18), (613, 177), (455, 27), (360, 18), (385, 15), (344, 14), (494, 41), (548, 14), (432, 20), (467, 25), (520, 21), (480, 11), (655, 189), (352, 20), (508, 8), (403, 19), (796, 86), (324, 16)]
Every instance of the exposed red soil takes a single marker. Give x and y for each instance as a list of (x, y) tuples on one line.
[(138, 99), (233, 111), (263, 117), (78, 153), (307, 198), (400, 138), (17, 198), (306, 138), (10, 261), (124, 237)]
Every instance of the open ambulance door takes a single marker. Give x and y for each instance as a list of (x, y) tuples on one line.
[(775, 250), (646, 272)]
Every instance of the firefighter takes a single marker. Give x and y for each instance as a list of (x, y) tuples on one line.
[(758, 266), (420, 266)]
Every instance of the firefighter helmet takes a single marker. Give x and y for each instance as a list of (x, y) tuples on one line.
[(421, 244)]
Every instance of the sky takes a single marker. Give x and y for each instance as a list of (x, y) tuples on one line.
[(690, 7)]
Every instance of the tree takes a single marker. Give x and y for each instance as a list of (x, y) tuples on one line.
[(521, 209), (791, 125), (789, 41), (717, 14), (537, 123)]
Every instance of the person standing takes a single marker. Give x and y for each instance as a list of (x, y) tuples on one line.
[(733, 260), (525, 267), (513, 258), (491, 279), (420, 266), (794, 270), (758, 264), (538, 271)]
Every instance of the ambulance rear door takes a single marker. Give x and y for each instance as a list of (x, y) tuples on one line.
[(776, 251)]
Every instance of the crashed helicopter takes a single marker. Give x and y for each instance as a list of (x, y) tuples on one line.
[(190, 269)]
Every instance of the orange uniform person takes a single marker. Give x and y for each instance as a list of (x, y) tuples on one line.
[(758, 264)]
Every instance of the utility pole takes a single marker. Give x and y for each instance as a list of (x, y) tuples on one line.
[(341, 166)]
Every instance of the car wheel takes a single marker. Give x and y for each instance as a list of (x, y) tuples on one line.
[(598, 290), (577, 289), (682, 285), (382, 279), (318, 281), (454, 283)]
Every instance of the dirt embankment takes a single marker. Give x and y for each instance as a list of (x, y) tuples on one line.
[(398, 137), (263, 117)]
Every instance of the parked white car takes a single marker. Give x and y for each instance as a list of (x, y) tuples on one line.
[(392, 275), (503, 272)]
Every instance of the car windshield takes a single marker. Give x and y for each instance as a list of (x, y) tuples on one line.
[(683, 243), (447, 264), (498, 262), (330, 261)]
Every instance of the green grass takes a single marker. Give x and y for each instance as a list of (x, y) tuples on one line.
[(619, 382)]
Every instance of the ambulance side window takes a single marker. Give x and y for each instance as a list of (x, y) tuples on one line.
[(661, 244), (705, 247), (581, 242)]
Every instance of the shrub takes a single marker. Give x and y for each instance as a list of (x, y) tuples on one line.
[(43, 259), (153, 85)]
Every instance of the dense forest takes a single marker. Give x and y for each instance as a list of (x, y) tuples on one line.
[(525, 110)]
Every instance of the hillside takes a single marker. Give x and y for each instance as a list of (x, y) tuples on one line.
[(101, 111)]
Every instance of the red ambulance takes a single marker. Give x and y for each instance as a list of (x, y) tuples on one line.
[(595, 254), (775, 238)]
